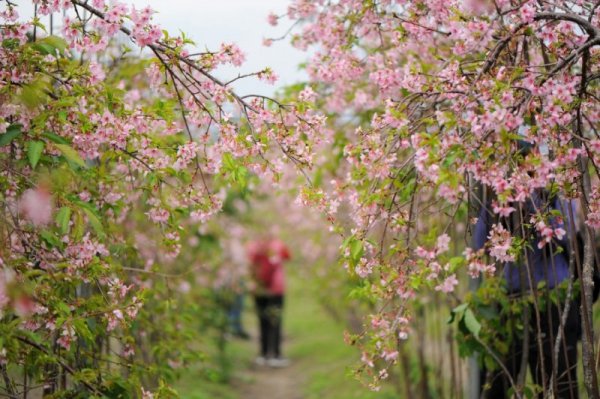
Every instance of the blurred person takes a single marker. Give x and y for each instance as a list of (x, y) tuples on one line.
[(541, 267), (266, 258), (234, 280), (235, 308), (545, 269)]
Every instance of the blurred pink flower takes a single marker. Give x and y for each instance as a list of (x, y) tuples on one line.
[(185, 287), (36, 206), (24, 306), (479, 7), (448, 284), (272, 19)]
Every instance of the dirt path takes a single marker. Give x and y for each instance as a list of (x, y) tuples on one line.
[(270, 383)]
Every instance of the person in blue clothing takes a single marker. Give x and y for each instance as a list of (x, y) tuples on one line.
[(546, 224), (542, 267)]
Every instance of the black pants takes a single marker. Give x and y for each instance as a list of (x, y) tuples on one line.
[(270, 309), (565, 370)]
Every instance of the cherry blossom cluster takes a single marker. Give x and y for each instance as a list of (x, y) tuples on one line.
[(102, 167), (433, 100)]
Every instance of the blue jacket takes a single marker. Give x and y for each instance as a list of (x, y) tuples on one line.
[(545, 263)]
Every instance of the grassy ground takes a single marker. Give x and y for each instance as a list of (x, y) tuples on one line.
[(313, 341), (318, 345)]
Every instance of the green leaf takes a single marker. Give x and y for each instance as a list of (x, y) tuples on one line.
[(228, 161), (456, 262), (457, 312), (43, 48), (32, 336), (55, 138), (82, 330), (451, 318), (356, 250), (64, 308), (35, 93), (78, 227), (471, 323), (528, 392), (12, 132), (460, 308), (51, 239), (11, 44), (70, 154), (50, 45), (34, 152), (86, 375), (62, 219), (95, 222)]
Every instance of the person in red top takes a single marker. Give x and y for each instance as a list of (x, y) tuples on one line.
[(266, 258)]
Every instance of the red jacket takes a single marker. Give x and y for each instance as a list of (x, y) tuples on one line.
[(266, 258)]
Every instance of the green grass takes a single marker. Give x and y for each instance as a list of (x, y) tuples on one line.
[(214, 379), (317, 343), (313, 341)]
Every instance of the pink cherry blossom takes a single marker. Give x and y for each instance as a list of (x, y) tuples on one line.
[(448, 284), (36, 206)]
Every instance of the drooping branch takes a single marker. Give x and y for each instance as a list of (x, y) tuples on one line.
[(161, 48), (501, 45), (592, 30)]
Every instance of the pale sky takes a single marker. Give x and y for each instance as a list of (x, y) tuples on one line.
[(211, 22), (244, 22)]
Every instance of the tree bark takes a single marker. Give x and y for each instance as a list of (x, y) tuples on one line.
[(590, 376)]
